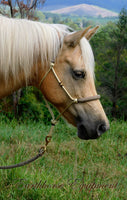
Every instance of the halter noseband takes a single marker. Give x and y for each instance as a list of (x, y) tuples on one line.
[(73, 100)]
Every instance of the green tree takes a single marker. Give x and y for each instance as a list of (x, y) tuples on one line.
[(110, 46), (119, 45)]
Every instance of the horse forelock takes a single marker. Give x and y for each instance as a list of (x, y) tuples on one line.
[(88, 56), (22, 42)]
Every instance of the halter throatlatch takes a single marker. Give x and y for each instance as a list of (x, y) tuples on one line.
[(53, 121)]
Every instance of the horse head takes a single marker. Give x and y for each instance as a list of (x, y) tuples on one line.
[(68, 85), (74, 67)]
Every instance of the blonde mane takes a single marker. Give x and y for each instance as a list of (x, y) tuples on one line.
[(22, 42)]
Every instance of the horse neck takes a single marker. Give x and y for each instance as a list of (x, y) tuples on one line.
[(10, 85)]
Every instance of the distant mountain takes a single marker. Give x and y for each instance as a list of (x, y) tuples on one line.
[(86, 10), (114, 5)]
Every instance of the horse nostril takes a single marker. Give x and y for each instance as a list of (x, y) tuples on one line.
[(101, 129)]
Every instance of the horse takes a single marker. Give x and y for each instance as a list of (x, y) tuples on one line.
[(58, 62)]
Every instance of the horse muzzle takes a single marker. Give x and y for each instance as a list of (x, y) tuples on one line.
[(86, 132)]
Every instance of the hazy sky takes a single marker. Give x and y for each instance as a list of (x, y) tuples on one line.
[(115, 5)]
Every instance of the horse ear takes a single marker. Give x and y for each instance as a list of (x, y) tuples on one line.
[(73, 39), (90, 33)]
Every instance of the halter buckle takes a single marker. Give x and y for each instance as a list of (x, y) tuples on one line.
[(75, 100), (51, 64), (53, 122)]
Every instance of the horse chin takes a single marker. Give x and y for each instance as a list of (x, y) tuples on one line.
[(83, 134)]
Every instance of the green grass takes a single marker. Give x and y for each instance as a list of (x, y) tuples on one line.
[(70, 169)]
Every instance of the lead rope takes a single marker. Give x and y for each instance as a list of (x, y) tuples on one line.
[(42, 150), (48, 138)]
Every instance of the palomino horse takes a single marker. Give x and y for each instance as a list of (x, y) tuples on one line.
[(27, 49)]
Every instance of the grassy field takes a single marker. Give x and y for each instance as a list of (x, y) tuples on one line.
[(70, 169)]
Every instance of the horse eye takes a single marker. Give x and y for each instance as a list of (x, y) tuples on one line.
[(78, 74)]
